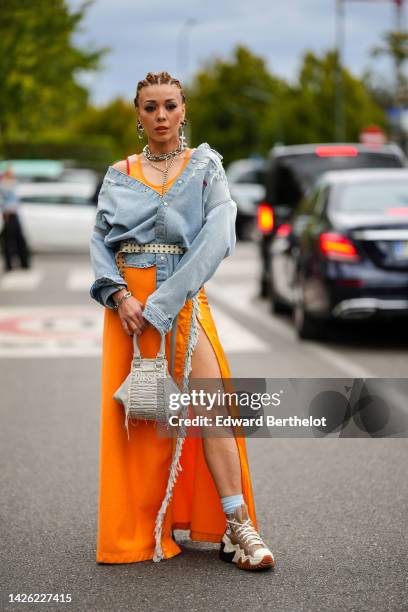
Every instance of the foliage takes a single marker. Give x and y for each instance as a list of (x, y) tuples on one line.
[(116, 120), (234, 105), (241, 108), (40, 65), (309, 111)]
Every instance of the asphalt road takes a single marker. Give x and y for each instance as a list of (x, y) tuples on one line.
[(332, 510)]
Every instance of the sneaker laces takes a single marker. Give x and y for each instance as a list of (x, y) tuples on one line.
[(247, 531)]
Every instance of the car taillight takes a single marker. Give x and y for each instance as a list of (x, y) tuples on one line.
[(265, 219), (283, 230), (350, 283), (338, 247), (336, 151)]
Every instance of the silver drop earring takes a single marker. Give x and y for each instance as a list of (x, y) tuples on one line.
[(182, 136), (140, 129)]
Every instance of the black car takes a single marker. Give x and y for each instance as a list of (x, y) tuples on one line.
[(292, 170), (345, 253)]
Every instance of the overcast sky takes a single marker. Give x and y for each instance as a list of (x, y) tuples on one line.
[(148, 35)]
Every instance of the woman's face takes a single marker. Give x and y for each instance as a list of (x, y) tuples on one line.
[(161, 106)]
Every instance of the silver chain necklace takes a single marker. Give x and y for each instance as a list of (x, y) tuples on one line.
[(163, 156), (165, 173)]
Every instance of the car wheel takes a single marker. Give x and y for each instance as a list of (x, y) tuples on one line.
[(307, 327)]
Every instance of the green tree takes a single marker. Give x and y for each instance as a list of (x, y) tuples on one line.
[(40, 65), (116, 121), (395, 46), (309, 110), (234, 105), (239, 107)]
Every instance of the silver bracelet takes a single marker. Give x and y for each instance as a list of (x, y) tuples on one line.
[(125, 296)]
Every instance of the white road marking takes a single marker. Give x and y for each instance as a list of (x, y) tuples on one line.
[(344, 364), (238, 297), (237, 267), (21, 280), (59, 331), (80, 280), (234, 337), (76, 331)]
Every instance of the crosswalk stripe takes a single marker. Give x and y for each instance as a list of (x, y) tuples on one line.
[(50, 331), (21, 280), (76, 331), (237, 267), (79, 280), (234, 337)]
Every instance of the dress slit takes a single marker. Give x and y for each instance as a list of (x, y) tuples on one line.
[(136, 513), (133, 473)]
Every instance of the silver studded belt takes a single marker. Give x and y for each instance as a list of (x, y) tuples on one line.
[(150, 247)]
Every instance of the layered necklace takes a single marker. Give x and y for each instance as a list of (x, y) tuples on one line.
[(168, 155)]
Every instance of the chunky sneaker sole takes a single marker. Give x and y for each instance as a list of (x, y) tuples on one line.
[(233, 553)]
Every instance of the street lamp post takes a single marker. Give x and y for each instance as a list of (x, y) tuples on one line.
[(339, 93), (182, 57), (182, 48)]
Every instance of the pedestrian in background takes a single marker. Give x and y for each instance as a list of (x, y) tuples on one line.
[(12, 236)]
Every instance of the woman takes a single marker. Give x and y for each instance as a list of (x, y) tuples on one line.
[(12, 235), (172, 195)]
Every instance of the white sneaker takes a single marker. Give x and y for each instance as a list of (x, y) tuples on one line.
[(242, 544)]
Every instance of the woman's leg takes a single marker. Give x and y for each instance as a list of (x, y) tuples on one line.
[(241, 544), (221, 453)]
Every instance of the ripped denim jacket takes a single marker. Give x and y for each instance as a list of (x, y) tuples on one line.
[(196, 212)]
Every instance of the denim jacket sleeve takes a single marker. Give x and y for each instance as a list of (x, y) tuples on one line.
[(214, 242), (103, 262)]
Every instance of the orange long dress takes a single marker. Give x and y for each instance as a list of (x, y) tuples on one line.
[(134, 472)]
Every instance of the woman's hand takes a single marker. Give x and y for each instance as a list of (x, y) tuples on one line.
[(130, 313)]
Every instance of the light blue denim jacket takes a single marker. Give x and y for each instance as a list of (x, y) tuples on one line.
[(196, 212)]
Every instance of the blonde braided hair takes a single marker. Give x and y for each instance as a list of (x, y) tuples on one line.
[(157, 78)]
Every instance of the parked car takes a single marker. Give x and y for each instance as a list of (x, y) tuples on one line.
[(48, 170), (344, 254), (246, 180), (29, 170), (292, 170), (80, 175), (57, 216)]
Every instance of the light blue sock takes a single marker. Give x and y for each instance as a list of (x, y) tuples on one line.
[(231, 502)]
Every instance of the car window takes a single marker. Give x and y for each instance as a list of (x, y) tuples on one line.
[(389, 197), (322, 200), (292, 176), (283, 186), (309, 167), (255, 177), (309, 203)]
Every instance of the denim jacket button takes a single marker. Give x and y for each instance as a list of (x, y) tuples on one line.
[(162, 257), (165, 204)]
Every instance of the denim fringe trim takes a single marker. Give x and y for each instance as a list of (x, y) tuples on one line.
[(175, 467)]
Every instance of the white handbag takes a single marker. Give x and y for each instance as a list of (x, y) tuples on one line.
[(148, 389)]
